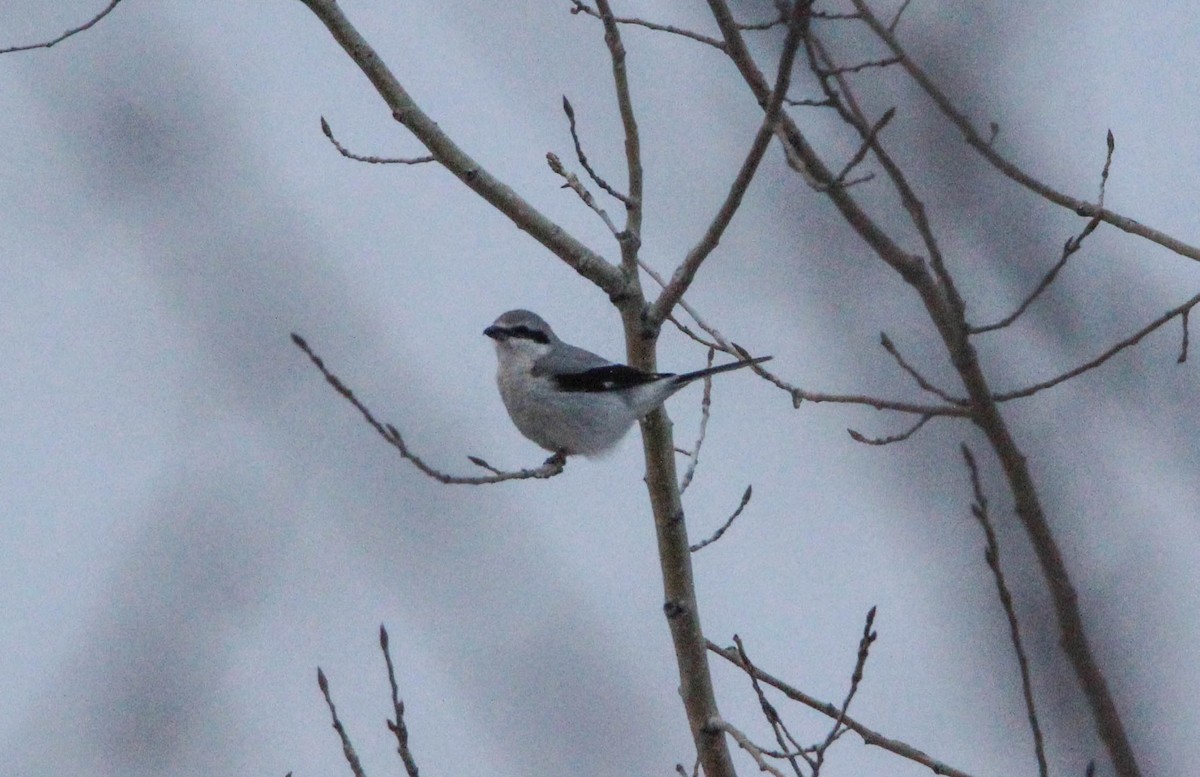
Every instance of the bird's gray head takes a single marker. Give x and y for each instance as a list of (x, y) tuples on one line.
[(521, 332)]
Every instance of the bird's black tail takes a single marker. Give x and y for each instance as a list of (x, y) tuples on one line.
[(688, 377)]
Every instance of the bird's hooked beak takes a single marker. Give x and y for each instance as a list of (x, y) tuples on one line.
[(494, 332)]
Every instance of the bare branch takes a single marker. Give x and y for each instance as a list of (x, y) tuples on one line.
[(865, 146), (869, 736), (992, 556), (756, 752), (705, 409), (397, 726), (447, 153), (901, 437), (1183, 347), (631, 238), (1069, 248), (890, 347), (860, 663), (580, 7), (1007, 168), (347, 747), (553, 465), (686, 272), (73, 31), (1102, 358), (603, 184), (725, 526), (574, 184), (375, 160), (782, 735), (896, 19)]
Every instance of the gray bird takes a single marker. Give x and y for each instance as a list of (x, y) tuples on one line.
[(571, 401)]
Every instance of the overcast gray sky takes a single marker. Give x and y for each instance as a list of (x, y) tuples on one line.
[(193, 521)]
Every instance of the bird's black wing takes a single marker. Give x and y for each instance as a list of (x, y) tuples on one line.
[(610, 377)]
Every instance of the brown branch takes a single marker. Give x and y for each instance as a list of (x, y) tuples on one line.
[(1128, 342), (583, 160), (901, 437), (1007, 168), (683, 276), (782, 736), (1072, 245), (630, 238), (553, 465), (992, 556), (375, 160), (725, 526), (347, 747), (890, 347), (447, 153), (869, 736), (574, 184), (860, 663), (705, 411), (580, 7), (73, 31), (397, 726), (1183, 346)]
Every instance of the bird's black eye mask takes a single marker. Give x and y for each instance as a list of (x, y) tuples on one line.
[(519, 331)]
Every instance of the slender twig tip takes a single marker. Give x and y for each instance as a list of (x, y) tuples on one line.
[(325, 128), (383, 637), (567, 109), (1112, 142), (321, 681), (298, 340)]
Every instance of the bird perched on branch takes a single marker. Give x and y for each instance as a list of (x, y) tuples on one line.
[(571, 401)]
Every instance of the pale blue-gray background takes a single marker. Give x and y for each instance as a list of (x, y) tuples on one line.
[(192, 520)]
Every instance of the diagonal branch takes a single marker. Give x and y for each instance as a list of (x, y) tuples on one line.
[(553, 466), (1007, 168), (1132, 340), (447, 153), (1072, 245), (73, 31), (686, 272), (869, 736)]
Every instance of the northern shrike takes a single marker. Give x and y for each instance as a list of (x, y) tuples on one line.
[(571, 401)]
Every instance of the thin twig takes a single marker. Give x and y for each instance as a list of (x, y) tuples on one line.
[(992, 555), (869, 736), (1183, 346), (574, 184), (583, 160), (890, 347), (860, 663), (375, 160), (1102, 358), (705, 409), (397, 726), (725, 526), (553, 465), (782, 735), (901, 437), (73, 31), (835, 70), (896, 19), (580, 7), (347, 747), (865, 145), (1072, 245)]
